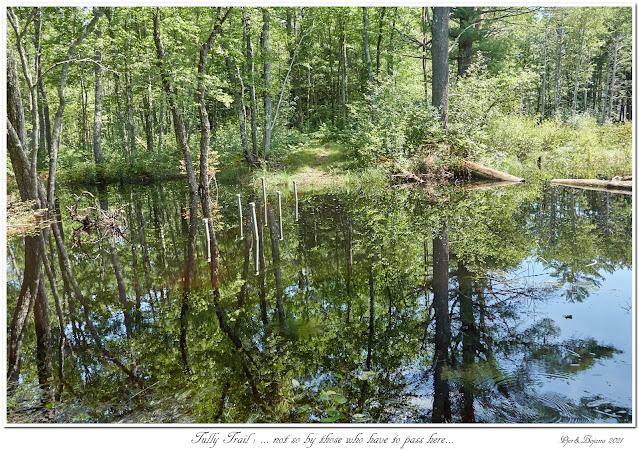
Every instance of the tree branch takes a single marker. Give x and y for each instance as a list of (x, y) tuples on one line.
[(287, 75)]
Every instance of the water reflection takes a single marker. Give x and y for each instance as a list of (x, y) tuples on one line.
[(351, 317)]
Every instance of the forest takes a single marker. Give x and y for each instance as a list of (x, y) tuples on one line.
[(280, 214)]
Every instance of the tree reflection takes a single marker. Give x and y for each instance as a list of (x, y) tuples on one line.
[(338, 324)]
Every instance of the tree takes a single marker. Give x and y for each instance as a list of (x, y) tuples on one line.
[(440, 62)]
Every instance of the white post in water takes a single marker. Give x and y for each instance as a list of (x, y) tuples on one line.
[(257, 241), (296, 204), (264, 197), (208, 240), (239, 208), (279, 211)]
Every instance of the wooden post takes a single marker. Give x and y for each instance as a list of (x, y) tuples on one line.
[(208, 240), (239, 208), (264, 196), (257, 240), (279, 210), (296, 203)]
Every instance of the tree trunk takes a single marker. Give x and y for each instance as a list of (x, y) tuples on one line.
[(268, 107), (240, 109), (147, 100), (613, 78), (43, 336), (367, 54), (130, 122), (57, 123), (344, 73), (441, 401), (371, 318), (379, 44), (24, 305), (97, 117), (178, 121), (558, 59), (205, 123), (470, 340), (577, 70), (424, 52), (251, 64), (543, 83), (439, 52), (277, 271)]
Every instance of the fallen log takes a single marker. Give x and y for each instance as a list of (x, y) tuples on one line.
[(479, 171), (592, 184), (488, 185)]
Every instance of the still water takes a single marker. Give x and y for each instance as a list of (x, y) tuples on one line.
[(341, 321)]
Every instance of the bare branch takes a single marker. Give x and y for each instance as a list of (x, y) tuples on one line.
[(288, 73), (67, 61)]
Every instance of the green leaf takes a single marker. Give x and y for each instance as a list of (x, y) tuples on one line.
[(323, 396), (49, 405), (329, 419), (295, 383), (333, 415), (339, 399)]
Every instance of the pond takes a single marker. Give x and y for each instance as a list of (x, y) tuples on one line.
[(504, 305)]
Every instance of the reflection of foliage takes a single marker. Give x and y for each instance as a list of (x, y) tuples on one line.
[(571, 356), (23, 220), (312, 366), (583, 235)]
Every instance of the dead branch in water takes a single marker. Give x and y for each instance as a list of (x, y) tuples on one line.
[(95, 220)]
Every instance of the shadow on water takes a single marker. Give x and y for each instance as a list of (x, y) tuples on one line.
[(511, 304)]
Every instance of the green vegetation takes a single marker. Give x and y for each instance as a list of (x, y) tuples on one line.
[(136, 128), (524, 83)]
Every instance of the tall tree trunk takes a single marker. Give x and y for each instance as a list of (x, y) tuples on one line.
[(97, 117), (441, 402), (424, 51), (86, 309), (390, 59), (371, 318), (439, 51), (33, 246), (558, 60), (268, 107), (43, 335), (378, 53), (292, 32), (57, 123), (349, 267), (251, 64), (367, 60), (130, 121), (344, 72), (178, 121), (470, 340), (277, 270), (367, 54), (147, 101), (33, 96), (24, 305), (543, 83), (205, 123), (240, 109), (613, 78), (577, 70), (45, 119)]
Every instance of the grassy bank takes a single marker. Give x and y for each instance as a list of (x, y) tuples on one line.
[(317, 167), (580, 148)]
